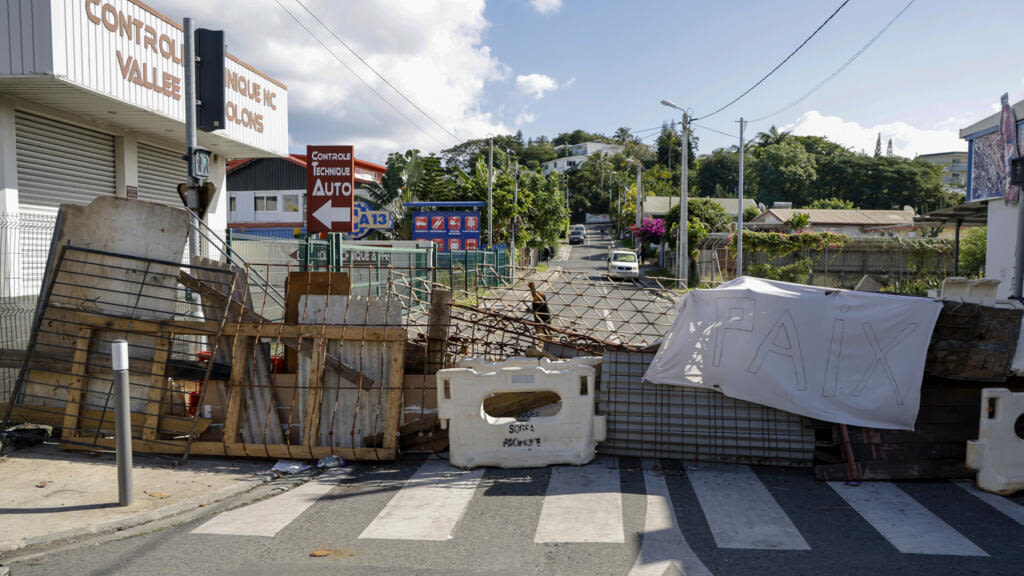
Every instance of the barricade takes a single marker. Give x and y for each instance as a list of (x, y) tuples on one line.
[(564, 431), (998, 453)]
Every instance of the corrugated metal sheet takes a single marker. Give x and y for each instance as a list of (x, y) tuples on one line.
[(59, 162), (160, 172), (25, 27), (656, 421), (261, 174)]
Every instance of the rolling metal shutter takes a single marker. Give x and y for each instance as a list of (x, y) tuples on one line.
[(160, 172), (61, 163)]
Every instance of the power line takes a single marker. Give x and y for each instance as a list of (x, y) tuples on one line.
[(838, 70), (779, 65), (349, 68), (713, 130), (374, 70)]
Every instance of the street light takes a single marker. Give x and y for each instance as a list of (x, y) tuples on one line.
[(683, 270)]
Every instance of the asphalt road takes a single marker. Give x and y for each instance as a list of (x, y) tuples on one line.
[(729, 520), (585, 300)]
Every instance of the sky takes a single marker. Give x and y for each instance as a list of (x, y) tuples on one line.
[(471, 68)]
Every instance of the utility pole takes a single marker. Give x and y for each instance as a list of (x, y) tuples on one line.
[(515, 217), (192, 195), (739, 209), (684, 230), (490, 199), (639, 192)]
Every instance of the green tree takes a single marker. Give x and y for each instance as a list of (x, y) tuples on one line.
[(750, 212), (431, 183), (785, 172), (709, 213), (972, 252), (772, 136), (798, 221), (831, 204)]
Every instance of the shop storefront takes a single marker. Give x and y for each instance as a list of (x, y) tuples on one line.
[(92, 104)]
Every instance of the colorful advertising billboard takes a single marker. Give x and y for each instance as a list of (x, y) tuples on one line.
[(449, 230)]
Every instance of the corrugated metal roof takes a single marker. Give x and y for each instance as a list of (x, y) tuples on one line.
[(662, 204), (848, 217)]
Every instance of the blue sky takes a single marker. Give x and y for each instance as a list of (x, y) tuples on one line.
[(941, 65), (547, 66)]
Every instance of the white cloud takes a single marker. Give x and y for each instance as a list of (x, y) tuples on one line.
[(536, 84), (907, 140), (546, 6), (432, 50), (524, 117)]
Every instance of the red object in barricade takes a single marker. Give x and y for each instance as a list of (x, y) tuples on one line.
[(277, 364), (192, 403)]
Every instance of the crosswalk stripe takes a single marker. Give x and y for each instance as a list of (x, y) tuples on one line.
[(268, 517), (664, 549), (428, 506), (1009, 508), (904, 522), (582, 504), (741, 512)]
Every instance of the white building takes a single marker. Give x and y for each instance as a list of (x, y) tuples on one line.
[(92, 104), (988, 183), (572, 155)]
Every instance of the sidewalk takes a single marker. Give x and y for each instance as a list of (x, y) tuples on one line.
[(47, 494)]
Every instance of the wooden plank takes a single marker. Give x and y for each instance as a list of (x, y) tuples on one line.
[(273, 331), (88, 420), (241, 350), (305, 283), (314, 394), (157, 386), (76, 388), (270, 451), (394, 400), (437, 329)]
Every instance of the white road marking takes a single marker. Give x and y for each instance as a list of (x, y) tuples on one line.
[(268, 517), (663, 550), (582, 504), (1006, 506), (903, 521), (429, 505), (741, 512)]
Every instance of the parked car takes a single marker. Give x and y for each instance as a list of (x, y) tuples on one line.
[(622, 263), (577, 236)]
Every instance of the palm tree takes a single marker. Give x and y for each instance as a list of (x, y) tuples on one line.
[(622, 134), (772, 136)]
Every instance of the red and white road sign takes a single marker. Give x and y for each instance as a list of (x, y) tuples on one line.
[(454, 223), (330, 188), (471, 243), (437, 222), (439, 242), (453, 244), (472, 223), (420, 223)]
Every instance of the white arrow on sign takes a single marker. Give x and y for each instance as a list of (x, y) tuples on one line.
[(328, 214)]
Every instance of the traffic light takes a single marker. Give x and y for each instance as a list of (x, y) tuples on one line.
[(209, 45)]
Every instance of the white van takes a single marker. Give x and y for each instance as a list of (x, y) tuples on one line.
[(622, 263)]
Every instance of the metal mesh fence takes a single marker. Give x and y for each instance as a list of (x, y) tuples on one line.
[(24, 245)]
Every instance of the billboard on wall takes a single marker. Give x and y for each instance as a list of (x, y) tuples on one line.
[(330, 188), (449, 230)]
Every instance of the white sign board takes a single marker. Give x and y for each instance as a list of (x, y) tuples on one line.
[(840, 356)]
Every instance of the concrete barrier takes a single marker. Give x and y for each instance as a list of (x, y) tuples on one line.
[(565, 432), (998, 453)]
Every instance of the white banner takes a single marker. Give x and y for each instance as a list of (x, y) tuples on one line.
[(837, 355)]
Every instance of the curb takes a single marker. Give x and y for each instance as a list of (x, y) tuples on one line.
[(136, 519)]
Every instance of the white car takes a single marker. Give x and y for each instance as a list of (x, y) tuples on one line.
[(622, 264)]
